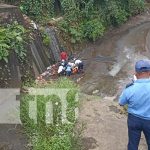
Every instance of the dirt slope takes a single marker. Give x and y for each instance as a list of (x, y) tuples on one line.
[(105, 127)]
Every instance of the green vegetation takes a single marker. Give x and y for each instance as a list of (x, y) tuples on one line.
[(89, 19), (12, 37), (56, 135), (84, 19), (37, 9), (45, 37)]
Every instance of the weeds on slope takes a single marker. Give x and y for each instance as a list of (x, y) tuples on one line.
[(48, 120)]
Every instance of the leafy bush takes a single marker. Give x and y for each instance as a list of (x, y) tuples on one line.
[(71, 10), (115, 13), (93, 29), (76, 34), (12, 37), (38, 8), (46, 39), (136, 6)]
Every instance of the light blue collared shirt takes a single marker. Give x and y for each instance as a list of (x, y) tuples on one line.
[(137, 96)]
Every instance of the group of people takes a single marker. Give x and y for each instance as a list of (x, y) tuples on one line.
[(65, 67), (69, 66)]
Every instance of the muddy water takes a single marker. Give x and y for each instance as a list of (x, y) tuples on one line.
[(110, 61)]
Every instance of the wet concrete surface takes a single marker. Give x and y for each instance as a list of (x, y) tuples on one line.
[(12, 137)]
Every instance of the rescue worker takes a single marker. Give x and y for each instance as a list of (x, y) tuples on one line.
[(75, 70), (79, 63), (61, 70), (64, 63), (63, 56), (71, 64), (137, 96), (68, 70)]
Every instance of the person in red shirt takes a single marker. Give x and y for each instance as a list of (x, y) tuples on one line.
[(63, 56)]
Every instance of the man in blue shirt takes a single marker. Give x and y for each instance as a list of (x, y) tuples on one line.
[(68, 70), (137, 96)]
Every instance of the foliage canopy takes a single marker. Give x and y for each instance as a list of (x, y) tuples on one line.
[(83, 19)]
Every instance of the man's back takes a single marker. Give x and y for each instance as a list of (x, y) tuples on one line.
[(137, 96)]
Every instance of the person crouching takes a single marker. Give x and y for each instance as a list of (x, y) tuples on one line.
[(61, 70), (68, 70), (79, 63)]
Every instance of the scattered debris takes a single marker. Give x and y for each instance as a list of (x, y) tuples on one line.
[(95, 92), (110, 98), (51, 72), (79, 79)]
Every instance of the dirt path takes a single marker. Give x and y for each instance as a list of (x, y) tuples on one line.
[(105, 127)]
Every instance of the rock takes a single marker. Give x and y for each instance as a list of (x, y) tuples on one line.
[(110, 98), (54, 21), (79, 79), (95, 92)]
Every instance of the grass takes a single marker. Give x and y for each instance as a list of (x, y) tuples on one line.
[(56, 135)]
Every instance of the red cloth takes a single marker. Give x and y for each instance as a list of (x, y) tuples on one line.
[(63, 56)]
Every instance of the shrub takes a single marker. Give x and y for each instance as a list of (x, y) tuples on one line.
[(93, 29), (12, 37), (136, 6), (76, 34), (37, 9), (46, 39), (88, 19)]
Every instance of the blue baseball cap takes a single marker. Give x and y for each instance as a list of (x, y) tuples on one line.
[(142, 66)]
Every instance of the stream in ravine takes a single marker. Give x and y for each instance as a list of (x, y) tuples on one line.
[(109, 62)]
